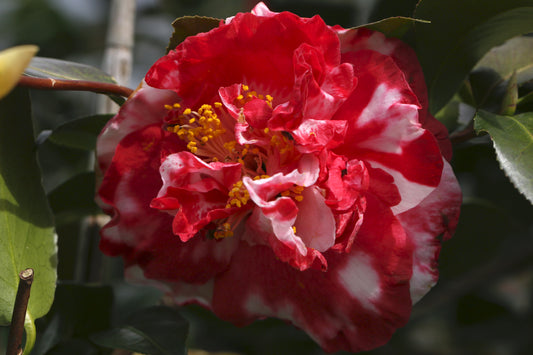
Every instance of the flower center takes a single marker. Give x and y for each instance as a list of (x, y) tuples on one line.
[(209, 133)]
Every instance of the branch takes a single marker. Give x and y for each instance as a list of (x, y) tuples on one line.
[(14, 344), (75, 85)]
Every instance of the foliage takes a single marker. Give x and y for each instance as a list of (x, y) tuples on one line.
[(478, 65)]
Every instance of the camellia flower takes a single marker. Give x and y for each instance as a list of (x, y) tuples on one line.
[(275, 166)]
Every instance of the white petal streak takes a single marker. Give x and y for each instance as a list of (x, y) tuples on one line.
[(361, 280), (411, 192), (400, 120)]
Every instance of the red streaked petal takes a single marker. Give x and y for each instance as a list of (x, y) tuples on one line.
[(356, 304), (437, 215)]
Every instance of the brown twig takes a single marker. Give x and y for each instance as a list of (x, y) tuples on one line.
[(463, 135), (75, 85), (14, 344)]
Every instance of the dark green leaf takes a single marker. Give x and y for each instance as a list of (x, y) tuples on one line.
[(394, 26), (80, 133), (26, 227), (189, 26), (63, 70), (74, 199), (155, 330), (460, 34), (77, 312), (513, 141)]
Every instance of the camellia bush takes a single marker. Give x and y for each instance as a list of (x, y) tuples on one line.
[(277, 184)]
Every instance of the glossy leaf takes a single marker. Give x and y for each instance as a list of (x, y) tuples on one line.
[(74, 199), (26, 227), (394, 26), (13, 61), (460, 34), (80, 133), (513, 141), (189, 26), (49, 68), (155, 330)]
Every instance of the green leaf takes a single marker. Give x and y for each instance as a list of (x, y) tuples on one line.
[(491, 77), (510, 98), (513, 141), (394, 26), (189, 26), (27, 237), (49, 68), (80, 133), (460, 34), (155, 330), (74, 199)]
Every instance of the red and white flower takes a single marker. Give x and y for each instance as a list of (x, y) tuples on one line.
[(275, 166)]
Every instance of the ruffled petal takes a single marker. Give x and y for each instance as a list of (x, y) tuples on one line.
[(353, 40), (356, 304), (384, 130)]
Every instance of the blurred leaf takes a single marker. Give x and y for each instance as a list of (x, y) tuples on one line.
[(389, 8), (26, 228), (155, 330), (516, 54), (49, 68), (74, 199), (490, 78), (189, 26), (78, 311), (13, 61), (460, 34), (513, 143), (80, 133), (510, 99), (394, 26)]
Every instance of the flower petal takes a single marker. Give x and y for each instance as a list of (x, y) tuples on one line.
[(356, 304), (437, 215)]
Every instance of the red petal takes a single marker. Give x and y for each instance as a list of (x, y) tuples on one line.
[(355, 305)]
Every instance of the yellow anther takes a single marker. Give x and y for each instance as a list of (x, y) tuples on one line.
[(168, 107), (269, 98), (298, 189), (176, 105), (204, 139), (266, 130), (299, 198), (260, 97), (192, 120), (187, 111), (240, 97), (294, 229), (245, 87), (218, 104)]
